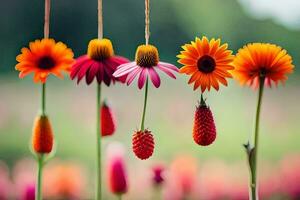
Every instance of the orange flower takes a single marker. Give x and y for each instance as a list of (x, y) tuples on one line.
[(262, 60), (44, 57), (208, 63)]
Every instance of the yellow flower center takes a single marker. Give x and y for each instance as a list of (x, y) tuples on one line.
[(206, 64), (100, 49), (146, 56)]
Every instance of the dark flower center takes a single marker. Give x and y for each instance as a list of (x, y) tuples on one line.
[(206, 64), (46, 62)]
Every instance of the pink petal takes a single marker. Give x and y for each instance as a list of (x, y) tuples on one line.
[(166, 70), (142, 78), (100, 73), (124, 69), (168, 65), (91, 73), (133, 74), (83, 69), (154, 77), (77, 66), (120, 60)]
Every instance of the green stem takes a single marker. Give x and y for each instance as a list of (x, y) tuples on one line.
[(39, 177), (43, 100), (99, 135), (253, 158), (145, 106), (120, 197)]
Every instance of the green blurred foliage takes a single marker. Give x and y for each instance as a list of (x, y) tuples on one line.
[(173, 23)]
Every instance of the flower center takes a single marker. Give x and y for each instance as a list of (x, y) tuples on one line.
[(146, 56), (100, 49), (46, 62), (206, 64)]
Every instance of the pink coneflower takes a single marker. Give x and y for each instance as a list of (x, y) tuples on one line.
[(145, 65), (100, 62), (28, 193)]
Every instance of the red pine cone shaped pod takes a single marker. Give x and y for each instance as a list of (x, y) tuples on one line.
[(143, 144), (108, 125), (42, 135), (204, 131)]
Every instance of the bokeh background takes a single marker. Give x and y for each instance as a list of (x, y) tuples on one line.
[(171, 107)]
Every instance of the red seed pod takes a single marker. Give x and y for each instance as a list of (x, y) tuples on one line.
[(143, 144), (204, 131), (108, 125), (42, 135)]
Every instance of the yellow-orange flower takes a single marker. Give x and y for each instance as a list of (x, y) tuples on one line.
[(44, 57), (207, 62), (262, 60)]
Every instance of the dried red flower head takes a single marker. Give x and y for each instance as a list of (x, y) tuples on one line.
[(42, 135), (143, 144), (204, 131), (108, 124)]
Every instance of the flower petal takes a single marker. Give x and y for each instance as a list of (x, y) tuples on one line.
[(142, 78), (154, 77)]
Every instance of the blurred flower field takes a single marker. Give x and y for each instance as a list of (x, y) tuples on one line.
[(222, 164)]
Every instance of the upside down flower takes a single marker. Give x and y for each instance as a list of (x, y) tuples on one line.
[(42, 136), (143, 144), (44, 57), (207, 62), (100, 62), (145, 65), (258, 60), (204, 130)]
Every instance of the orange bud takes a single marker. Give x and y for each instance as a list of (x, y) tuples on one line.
[(42, 135)]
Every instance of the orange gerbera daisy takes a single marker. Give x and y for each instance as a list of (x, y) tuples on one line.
[(208, 63), (262, 60), (44, 57)]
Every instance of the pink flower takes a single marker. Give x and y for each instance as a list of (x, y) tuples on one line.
[(117, 176), (145, 65), (100, 62), (158, 177)]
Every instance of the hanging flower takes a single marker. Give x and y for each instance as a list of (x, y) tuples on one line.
[(146, 64), (100, 62), (143, 144), (207, 62), (257, 60), (44, 57), (108, 125), (204, 131), (42, 136)]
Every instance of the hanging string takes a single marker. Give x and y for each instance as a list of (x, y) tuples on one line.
[(47, 19), (147, 21), (100, 20)]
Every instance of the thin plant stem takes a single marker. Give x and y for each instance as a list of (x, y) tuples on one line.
[(145, 106), (39, 177), (147, 21), (43, 100), (254, 154), (47, 18), (120, 197), (100, 20), (98, 136)]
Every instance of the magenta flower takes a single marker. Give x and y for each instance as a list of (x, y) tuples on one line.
[(117, 174), (145, 65), (158, 177), (100, 62)]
